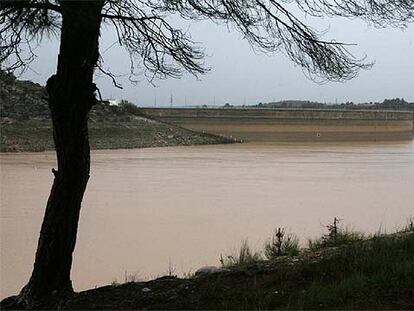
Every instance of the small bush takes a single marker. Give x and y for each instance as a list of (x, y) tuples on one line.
[(128, 107), (245, 256), (336, 236), (281, 244), (133, 277), (7, 76), (128, 278), (410, 225)]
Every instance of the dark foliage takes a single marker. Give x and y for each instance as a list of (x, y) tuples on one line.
[(145, 30)]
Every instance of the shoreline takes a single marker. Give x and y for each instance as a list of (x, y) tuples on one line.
[(245, 144), (357, 273)]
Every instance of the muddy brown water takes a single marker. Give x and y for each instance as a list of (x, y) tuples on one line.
[(146, 210)]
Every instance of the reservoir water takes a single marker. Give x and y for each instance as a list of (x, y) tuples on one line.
[(150, 210)]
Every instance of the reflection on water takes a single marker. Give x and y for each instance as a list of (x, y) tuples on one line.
[(190, 204)]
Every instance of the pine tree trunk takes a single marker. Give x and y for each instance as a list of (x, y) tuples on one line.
[(71, 95)]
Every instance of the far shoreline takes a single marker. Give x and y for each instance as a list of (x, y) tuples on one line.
[(247, 144)]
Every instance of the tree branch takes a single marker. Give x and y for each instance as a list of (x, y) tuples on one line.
[(144, 29), (25, 4)]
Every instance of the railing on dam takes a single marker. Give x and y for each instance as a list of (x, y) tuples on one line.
[(261, 124)]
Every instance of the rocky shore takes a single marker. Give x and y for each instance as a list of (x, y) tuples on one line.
[(26, 126), (139, 132)]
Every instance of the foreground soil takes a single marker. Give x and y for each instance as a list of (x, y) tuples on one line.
[(377, 273)]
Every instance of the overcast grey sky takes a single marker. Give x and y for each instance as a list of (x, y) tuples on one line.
[(239, 75)]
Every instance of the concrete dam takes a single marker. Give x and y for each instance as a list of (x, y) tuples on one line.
[(292, 125)]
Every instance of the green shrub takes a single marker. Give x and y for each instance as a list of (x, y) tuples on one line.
[(336, 236), (245, 256), (7, 76), (281, 244), (128, 107), (410, 225)]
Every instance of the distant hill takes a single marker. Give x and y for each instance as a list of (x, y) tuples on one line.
[(21, 100), (26, 123), (24, 100), (387, 104)]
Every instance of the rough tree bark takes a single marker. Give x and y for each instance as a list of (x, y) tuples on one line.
[(71, 95)]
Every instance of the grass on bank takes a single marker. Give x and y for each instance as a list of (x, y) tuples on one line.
[(376, 272), (244, 257), (336, 236), (279, 244), (340, 270), (282, 244)]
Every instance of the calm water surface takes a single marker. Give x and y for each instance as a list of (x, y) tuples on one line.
[(186, 205)]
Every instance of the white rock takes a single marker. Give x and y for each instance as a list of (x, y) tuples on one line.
[(208, 270), (146, 290)]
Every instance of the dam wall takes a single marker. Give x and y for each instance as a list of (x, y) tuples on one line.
[(289, 125)]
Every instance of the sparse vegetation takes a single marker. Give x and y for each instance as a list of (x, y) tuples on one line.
[(132, 277), (336, 236), (287, 244), (281, 244), (245, 256), (376, 273), (410, 225)]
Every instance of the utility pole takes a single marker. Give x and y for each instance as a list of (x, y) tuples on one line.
[(171, 100)]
